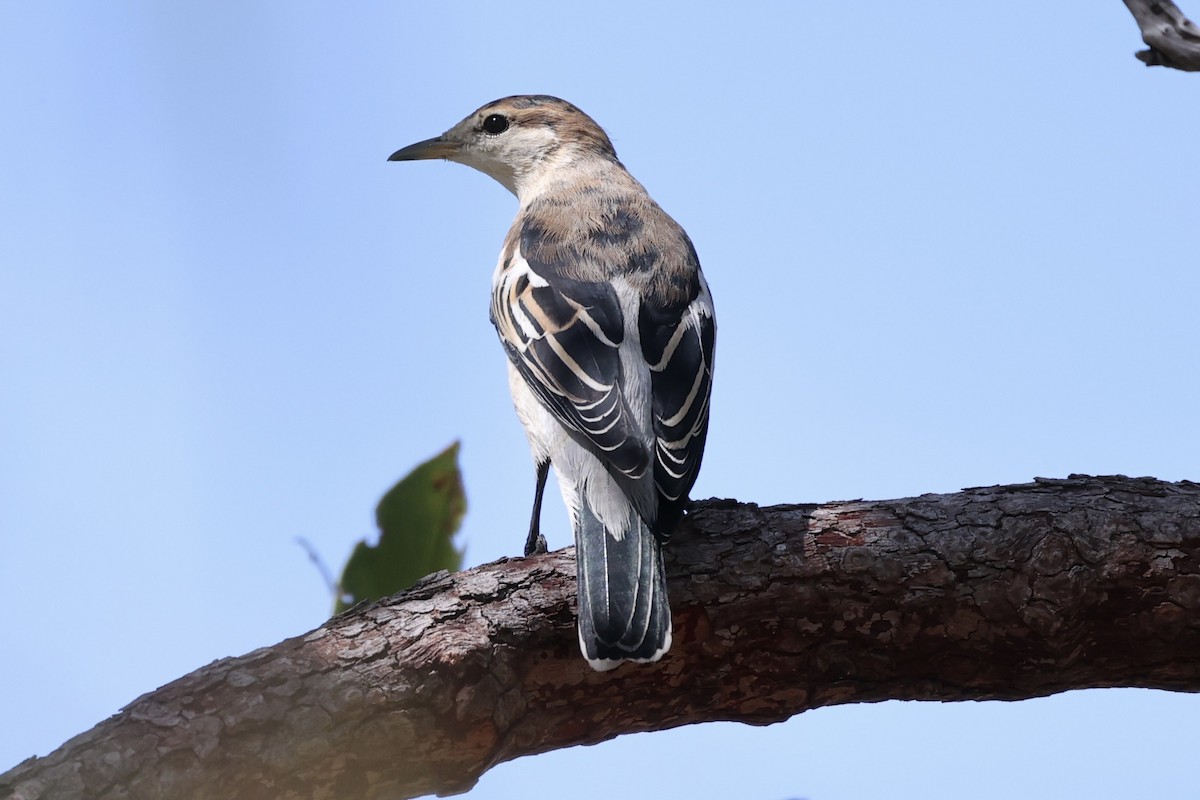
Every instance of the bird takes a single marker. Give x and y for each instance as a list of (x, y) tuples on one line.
[(609, 328)]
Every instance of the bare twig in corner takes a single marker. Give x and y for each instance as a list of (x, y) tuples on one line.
[(1174, 39)]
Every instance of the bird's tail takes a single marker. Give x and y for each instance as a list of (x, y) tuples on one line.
[(623, 608)]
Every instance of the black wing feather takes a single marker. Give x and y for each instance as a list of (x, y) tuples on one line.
[(568, 353), (678, 342)]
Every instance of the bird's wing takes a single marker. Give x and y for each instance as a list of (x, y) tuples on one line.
[(564, 336), (678, 333)]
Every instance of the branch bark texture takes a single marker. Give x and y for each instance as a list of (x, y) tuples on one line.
[(1004, 593), (1174, 39)]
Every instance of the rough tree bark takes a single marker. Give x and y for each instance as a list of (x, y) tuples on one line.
[(1004, 592), (1174, 39)]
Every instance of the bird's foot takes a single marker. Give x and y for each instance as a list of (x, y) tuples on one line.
[(536, 546)]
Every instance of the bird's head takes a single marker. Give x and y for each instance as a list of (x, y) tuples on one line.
[(517, 139)]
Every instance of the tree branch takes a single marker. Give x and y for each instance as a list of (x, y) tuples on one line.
[(1174, 39), (1002, 593)]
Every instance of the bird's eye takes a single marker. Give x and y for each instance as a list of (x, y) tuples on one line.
[(495, 123)]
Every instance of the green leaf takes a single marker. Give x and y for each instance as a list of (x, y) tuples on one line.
[(417, 520)]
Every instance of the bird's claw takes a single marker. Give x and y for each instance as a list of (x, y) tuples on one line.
[(536, 547)]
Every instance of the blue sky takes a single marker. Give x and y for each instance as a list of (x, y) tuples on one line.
[(946, 251)]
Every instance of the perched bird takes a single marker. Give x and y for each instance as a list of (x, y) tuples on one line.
[(608, 325)]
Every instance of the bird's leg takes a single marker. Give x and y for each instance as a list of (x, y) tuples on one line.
[(536, 543)]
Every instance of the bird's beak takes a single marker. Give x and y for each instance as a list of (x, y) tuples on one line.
[(437, 147)]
